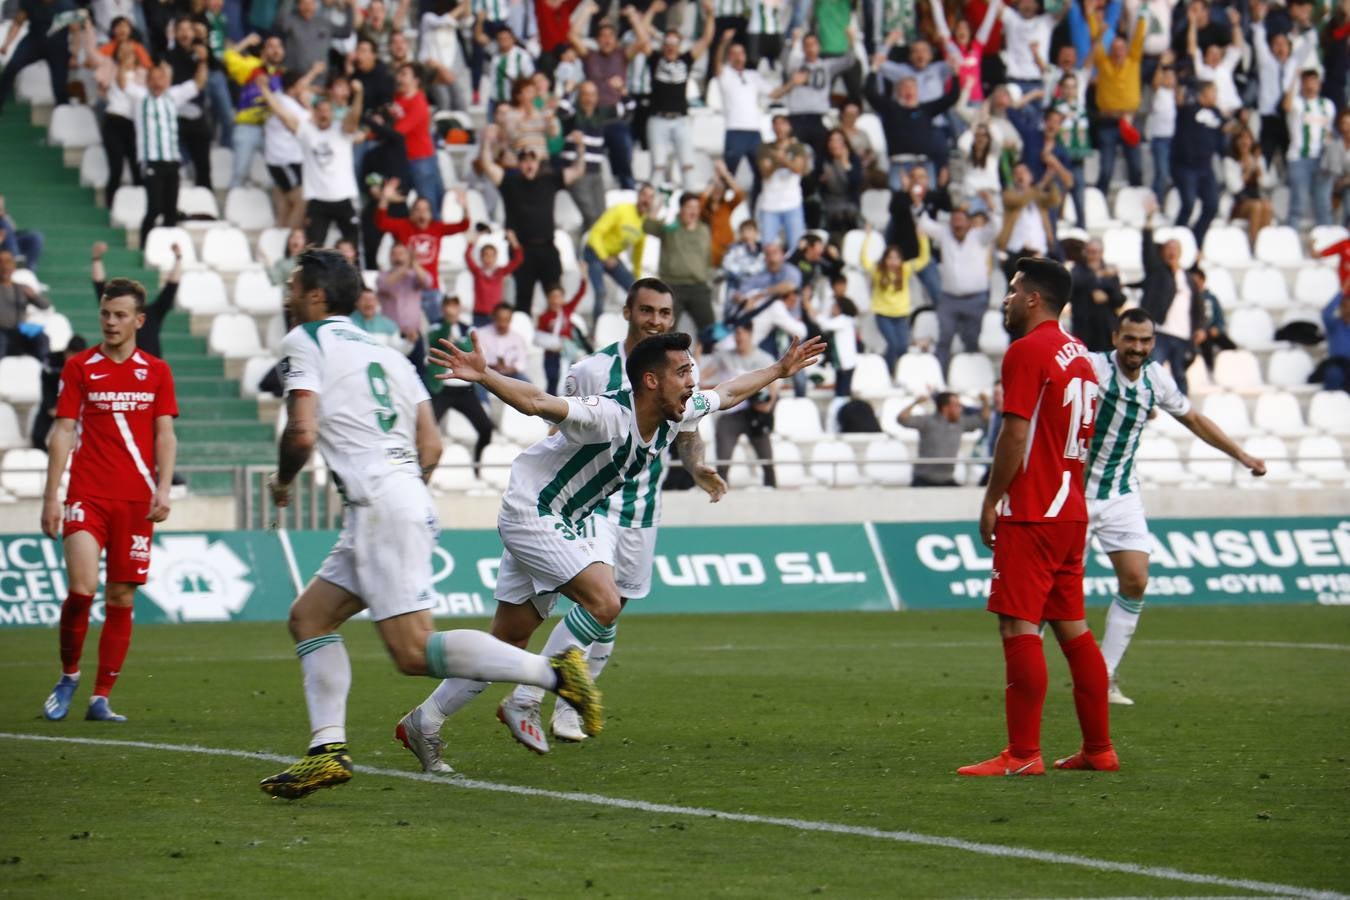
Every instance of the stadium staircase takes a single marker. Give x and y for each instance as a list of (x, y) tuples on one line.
[(215, 426)]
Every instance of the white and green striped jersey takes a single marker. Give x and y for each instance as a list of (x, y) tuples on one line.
[(1310, 126), (595, 452), (156, 120), (1123, 409), (768, 17), (728, 9), (492, 10), (638, 505), (506, 68)]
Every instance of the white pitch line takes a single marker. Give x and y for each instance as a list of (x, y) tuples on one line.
[(948, 645), (900, 837)]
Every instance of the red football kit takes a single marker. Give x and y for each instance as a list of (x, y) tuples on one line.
[(112, 468), (1038, 543)]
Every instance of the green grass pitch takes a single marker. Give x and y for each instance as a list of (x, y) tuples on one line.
[(1235, 765)]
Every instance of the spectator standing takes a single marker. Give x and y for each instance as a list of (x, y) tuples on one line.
[(892, 303), (1217, 63), (940, 435), (807, 88), (686, 253), (308, 32), (554, 18), (1250, 181), (762, 298), (17, 338), (454, 393), (42, 42), (911, 137), (742, 89), (489, 278), (1073, 142), (981, 160), (752, 418), (1026, 39), (1027, 226), (51, 387), (376, 25), (1278, 62), (412, 119), (329, 176), (1310, 118), (442, 57), (1096, 299), (668, 125), (509, 64), (1171, 297), (964, 243), (841, 330), (399, 290), (194, 128), (156, 110), (504, 349), (841, 186), (527, 194), (720, 199), (422, 233), (281, 149), (251, 73), (279, 273), (1118, 98), (587, 118), (967, 50), (1216, 336), (781, 203), (1336, 319), (381, 328), (1336, 161), (554, 329), (606, 67), (768, 22), (745, 258), (1160, 125), (619, 229), (730, 18), (119, 125), (1198, 148)]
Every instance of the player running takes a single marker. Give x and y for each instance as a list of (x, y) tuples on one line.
[(624, 524), (114, 412), (1132, 387), (602, 443), (1035, 518), (365, 408)]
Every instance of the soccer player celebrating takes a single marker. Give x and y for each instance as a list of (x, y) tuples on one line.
[(602, 442), (1035, 518), (114, 412), (366, 409), (624, 524), (1132, 387)]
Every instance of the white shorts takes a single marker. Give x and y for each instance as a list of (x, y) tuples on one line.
[(1119, 524), (633, 551), (539, 555), (384, 552)]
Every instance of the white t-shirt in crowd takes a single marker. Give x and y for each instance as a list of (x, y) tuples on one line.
[(327, 172), (741, 92), (1178, 320), (281, 147)]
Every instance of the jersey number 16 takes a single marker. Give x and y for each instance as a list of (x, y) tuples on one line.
[(1081, 397)]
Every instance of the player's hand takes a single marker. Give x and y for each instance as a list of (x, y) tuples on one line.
[(472, 367), (707, 478), (799, 356), (159, 507), (988, 519), (51, 517), (100, 248), (281, 493), (1256, 466)]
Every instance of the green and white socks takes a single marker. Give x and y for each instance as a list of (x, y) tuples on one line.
[(576, 629), (1122, 617), (468, 660), (328, 678)]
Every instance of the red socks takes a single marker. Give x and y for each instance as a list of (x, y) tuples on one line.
[(112, 647), (1025, 694), (74, 626), (1089, 691)]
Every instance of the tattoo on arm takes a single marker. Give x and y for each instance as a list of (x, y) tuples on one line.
[(690, 448), (294, 450)]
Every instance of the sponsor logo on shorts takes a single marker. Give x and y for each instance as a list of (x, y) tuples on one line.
[(140, 549)]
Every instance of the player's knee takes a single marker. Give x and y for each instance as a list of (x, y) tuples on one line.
[(1133, 584), (606, 609), (118, 594), (410, 659)]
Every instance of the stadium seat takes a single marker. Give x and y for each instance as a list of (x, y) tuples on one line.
[(452, 252), (1209, 464), (1265, 286), (651, 255), (1315, 285), (455, 471), (127, 208), (1324, 236), (1238, 370), (876, 208), (1227, 245), (743, 470), (709, 131), (94, 167), (234, 336), (887, 463), (610, 328), (1158, 460), (73, 127), (1279, 245), (853, 244), (834, 464), (1309, 314), (797, 419), (870, 125), (197, 202), (1123, 248), (871, 381), (202, 293), (1278, 413), (1184, 237), (1275, 453), (249, 208), (521, 429), (1252, 329), (993, 336), (1229, 412), (523, 325), (254, 370), (24, 473), (159, 247), (222, 168), (496, 464), (11, 435), (1289, 368), (271, 245), (226, 250), (971, 374), (859, 290), (1129, 206), (464, 289), (788, 468), (55, 324), (919, 373), (618, 196), (567, 251), (20, 379), (1321, 457), (1097, 216), (34, 85), (1328, 412), (1219, 281), (255, 294)]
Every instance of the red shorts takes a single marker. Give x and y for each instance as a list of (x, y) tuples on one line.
[(1038, 571), (121, 528)]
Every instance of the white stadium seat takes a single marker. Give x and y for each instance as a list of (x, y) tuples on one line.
[(1238, 370), (1278, 413), (254, 370), (1129, 208), (226, 250), (159, 243), (20, 379), (197, 201), (919, 373), (993, 336), (271, 244), (788, 468), (94, 168), (610, 328), (1219, 281), (797, 419), (1265, 287), (522, 429), (567, 251), (971, 374), (853, 245), (234, 336), (870, 125), (56, 326), (1227, 245), (1252, 329), (871, 381), (454, 473), (888, 463), (1184, 237), (1123, 248), (1158, 460), (1329, 412), (127, 208), (1229, 412), (222, 168), (1209, 464), (202, 293), (1321, 457), (452, 253), (255, 294), (1315, 285), (249, 208), (1289, 368), (1279, 245), (1098, 218), (24, 473), (833, 463), (1275, 453), (34, 84), (496, 464), (73, 126), (11, 436), (1324, 236)]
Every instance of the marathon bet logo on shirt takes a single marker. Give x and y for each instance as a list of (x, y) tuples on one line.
[(193, 579)]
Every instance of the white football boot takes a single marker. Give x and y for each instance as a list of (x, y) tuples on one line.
[(1113, 694), (566, 723)]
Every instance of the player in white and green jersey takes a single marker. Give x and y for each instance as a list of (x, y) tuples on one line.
[(1132, 387), (602, 442), (369, 414), (625, 523)]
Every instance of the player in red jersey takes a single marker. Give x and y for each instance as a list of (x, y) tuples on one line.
[(114, 411), (1035, 520)]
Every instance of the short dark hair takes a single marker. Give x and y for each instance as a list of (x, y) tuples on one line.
[(651, 354), (942, 398), (1138, 316), (503, 306), (649, 284), (450, 298), (847, 306), (688, 196), (289, 78), (1047, 278), (551, 287), (407, 65), (125, 287), (321, 269)]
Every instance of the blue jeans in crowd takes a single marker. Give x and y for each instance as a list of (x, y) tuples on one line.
[(1193, 183), (247, 140), (27, 244), (596, 272), (1177, 353), (895, 331), (619, 146), (55, 49), (1162, 166), (1079, 191), (1307, 182), (789, 223), (960, 315), (222, 110), (426, 180), (743, 145), (1106, 134)]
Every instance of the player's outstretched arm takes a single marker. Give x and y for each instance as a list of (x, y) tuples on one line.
[(1204, 428), (799, 356), (166, 454), (1008, 454), (472, 366), (60, 441)]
